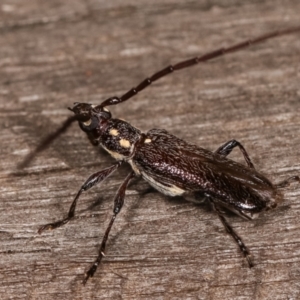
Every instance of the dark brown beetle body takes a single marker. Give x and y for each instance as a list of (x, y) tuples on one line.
[(171, 165), (176, 168)]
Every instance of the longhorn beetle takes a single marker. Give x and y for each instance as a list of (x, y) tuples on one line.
[(169, 164)]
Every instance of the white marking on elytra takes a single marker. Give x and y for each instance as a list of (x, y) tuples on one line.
[(124, 143), (114, 132), (171, 190), (148, 141)]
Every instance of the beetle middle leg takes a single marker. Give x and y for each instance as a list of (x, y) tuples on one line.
[(118, 203), (230, 230), (225, 149), (90, 182)]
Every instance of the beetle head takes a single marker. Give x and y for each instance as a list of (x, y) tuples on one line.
[(92, 119), (90, 116)]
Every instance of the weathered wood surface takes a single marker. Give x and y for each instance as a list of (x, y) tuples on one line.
[(54, 53)]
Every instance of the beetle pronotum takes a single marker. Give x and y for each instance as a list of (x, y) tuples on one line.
[(169, 164)]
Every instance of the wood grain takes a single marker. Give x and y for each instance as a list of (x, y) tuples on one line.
[(54, 53)]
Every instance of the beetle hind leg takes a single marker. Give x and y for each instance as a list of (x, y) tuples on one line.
[(235, 236), (226, 148)]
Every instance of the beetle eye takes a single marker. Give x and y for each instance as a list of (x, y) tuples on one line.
[(90, 124)]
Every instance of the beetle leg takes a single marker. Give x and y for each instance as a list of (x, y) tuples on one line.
[(225, 149), (235, 236), (91, 181), (118, 203)]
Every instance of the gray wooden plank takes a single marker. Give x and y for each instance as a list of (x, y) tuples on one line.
[(55, 53)]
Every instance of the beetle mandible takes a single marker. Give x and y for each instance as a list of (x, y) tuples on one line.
[(169, 164)]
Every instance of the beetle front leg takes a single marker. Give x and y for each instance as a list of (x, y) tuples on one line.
[(225, 149), (235, 236), (118, 203), (91, 181)]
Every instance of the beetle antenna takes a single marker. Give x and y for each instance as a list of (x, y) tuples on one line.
[(193, 61), (46, 142)]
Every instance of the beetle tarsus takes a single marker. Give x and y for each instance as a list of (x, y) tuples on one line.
[(249, 261), (90, 273), (287, 182), (54, 225)]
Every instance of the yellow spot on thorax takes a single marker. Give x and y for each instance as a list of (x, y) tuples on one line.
[(114, 132), (124, 143), (148, 141)]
